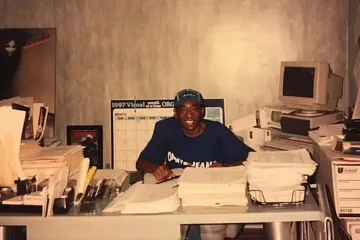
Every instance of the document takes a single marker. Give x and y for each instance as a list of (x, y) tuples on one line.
[(293, 158), (279, 176), (213, 186), (11, 126), (146, 199)]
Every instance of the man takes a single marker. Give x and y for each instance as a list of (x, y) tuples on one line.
[(188, 140)]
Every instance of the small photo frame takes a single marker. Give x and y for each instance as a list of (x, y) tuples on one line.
[(89, 136)]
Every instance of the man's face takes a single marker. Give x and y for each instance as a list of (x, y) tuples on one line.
[(189, 115)]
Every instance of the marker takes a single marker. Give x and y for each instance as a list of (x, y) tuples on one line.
[(166, 180)]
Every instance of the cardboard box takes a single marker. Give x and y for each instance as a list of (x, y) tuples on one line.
[(346, 188)]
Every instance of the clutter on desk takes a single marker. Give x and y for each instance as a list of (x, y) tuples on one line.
[(85, 177), (279, 177), (325, 133), (105, 186), (213, 186), (351, 130), (344, 139), (30, 174), (95, 189)]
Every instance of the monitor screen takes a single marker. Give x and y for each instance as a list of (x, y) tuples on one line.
[(299, 82)]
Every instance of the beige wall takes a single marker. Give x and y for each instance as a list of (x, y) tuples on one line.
[(119, 49), (35, 76)]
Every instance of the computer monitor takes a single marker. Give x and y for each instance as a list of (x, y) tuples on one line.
[(309, 86)]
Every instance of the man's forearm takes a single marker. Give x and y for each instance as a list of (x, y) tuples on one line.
[(145, 166)]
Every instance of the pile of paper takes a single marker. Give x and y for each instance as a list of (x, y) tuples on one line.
[(11, 126), (54, 157), (213, 186), (279, 176), (35, 116), (29, 147), (146, 199)]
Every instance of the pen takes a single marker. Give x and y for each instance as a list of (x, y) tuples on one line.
[(166, 180)]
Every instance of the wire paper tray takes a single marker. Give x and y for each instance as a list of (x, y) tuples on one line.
[(297, 198)]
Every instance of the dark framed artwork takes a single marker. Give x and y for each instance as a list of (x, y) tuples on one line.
[(89, 136)]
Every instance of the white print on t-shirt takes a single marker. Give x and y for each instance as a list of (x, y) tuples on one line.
[(171, 157)]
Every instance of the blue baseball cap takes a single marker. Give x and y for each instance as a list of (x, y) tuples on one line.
[(188, 95)]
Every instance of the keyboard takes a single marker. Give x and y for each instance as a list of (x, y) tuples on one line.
[(288, 144)]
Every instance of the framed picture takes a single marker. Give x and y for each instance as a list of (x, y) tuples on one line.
[(89, 136)]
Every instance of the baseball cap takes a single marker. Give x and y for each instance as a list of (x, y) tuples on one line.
[(188, 95)]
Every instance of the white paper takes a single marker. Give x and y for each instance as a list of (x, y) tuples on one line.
[(213, 175), (83, 170), (146, 199), (213, 186), (282, 158), (278, 176), (11, 126)]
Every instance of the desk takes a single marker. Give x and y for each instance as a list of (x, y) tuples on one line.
[(158, 226), (323, 155)]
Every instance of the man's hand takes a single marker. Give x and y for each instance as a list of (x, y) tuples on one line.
[(216, 164), (162, 172)]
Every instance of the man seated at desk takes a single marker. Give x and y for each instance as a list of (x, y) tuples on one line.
[(189, 140)]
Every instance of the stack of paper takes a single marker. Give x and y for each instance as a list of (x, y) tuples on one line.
[(54, 157), (146, 199), (29, 147), (213, 186), (34, 122), (279, 176), (11, 126)]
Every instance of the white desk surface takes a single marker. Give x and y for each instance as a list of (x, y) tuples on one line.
[(158, 226)]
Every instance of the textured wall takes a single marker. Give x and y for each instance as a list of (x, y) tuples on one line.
[(352, 49), (36, 73), (119, 49)]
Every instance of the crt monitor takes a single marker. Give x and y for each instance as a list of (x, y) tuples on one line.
[(309, 86)]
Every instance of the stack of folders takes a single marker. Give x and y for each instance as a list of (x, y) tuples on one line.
[(146, 199), (279, 176), (213, 186)]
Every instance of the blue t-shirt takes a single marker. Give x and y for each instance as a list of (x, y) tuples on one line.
[(169, 145)]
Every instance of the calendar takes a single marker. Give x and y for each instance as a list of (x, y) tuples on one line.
[(133, 122)]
